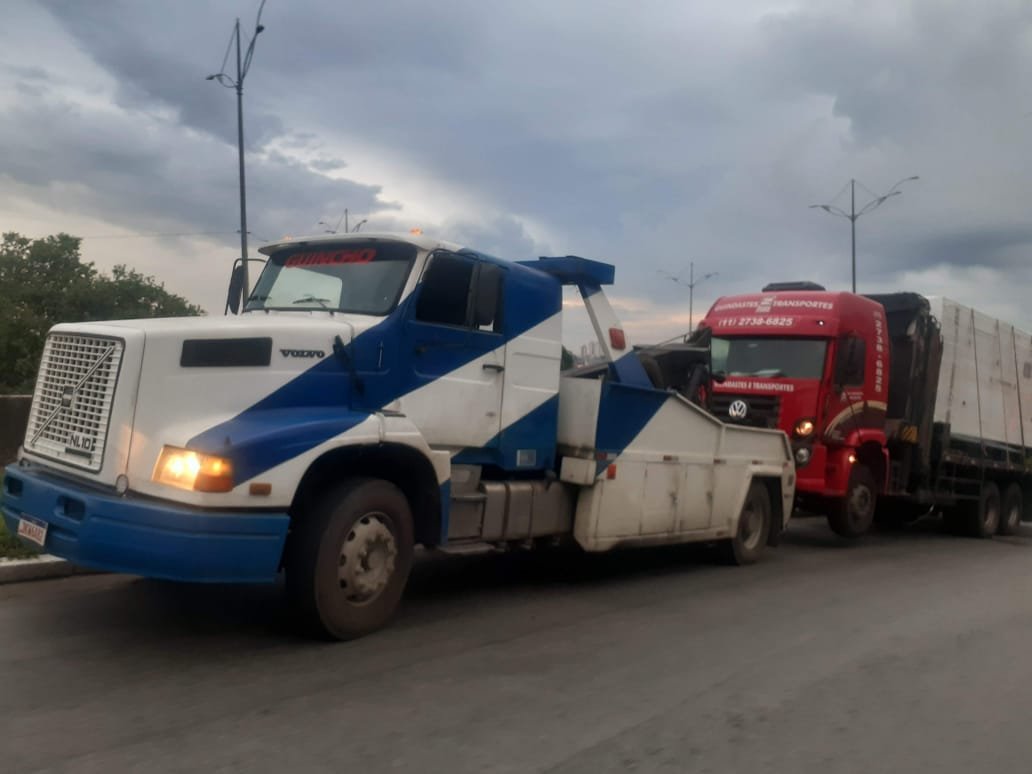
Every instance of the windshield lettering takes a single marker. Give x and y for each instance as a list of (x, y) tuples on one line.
[(331, 257)]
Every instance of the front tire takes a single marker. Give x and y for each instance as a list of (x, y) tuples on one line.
[(754, 525), (349, 558), (853, 516)]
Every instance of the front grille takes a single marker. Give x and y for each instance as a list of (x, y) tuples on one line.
[(761, 410), (71, 406)]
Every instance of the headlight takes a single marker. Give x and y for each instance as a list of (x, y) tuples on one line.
[(804, 428), (802, 456), (192, 470)]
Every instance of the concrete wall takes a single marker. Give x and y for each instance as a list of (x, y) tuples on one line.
[(14, 416)]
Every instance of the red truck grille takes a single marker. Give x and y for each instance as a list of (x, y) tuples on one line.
[(750, 410)]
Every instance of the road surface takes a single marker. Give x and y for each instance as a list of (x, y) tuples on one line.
[(905, 653)]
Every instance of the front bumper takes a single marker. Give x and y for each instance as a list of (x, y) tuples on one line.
[(153, 538)]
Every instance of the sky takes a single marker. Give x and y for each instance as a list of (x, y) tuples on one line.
[(648, 134)]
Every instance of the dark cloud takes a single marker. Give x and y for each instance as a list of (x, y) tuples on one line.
[(327, 165), (650, 135), (103, 165)]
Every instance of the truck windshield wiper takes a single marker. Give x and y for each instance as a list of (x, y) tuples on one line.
[(322, 301)]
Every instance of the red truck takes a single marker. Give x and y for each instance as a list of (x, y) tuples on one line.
[(897, 405)]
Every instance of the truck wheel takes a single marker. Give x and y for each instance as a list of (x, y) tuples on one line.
[(754, 524), (853, 516), (349, 558), (982, 517), (1010, 515)]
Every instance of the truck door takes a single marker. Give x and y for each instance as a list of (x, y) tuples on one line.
[(457, 352)]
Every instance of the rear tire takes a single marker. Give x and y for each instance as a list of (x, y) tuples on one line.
[(1011, 512), (754, 524), (982, 517), (853, 516), (348, 559)]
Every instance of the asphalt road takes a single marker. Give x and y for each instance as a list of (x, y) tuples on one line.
[(906, 653)]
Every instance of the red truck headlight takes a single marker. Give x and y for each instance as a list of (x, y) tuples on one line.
[(804, 428)]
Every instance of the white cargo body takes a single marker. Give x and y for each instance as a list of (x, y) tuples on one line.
[(985, 380)]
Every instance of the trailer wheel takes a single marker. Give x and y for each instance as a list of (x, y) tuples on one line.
[(852, 517), (754, 523), (348, 559), (982, 517), (1010, 515)]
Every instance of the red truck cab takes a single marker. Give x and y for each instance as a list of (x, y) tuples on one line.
[(814, 364)]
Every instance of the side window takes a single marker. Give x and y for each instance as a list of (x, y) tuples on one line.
[(488, 299), (850, 366), (444, 297), (461, 292)]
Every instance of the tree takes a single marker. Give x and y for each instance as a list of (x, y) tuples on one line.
[(44, 282), (567, 362)]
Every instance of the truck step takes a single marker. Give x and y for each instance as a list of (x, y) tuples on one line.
[(466, 549)]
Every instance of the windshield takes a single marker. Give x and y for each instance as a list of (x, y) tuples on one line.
[(770, 357), (357, 277)]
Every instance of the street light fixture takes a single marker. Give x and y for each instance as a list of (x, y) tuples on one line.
[(359, 224), (243, 64), (853, 215), (690, 284)]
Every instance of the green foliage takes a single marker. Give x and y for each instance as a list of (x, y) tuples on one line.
[(567, 361), (44, 282), (11, 547)]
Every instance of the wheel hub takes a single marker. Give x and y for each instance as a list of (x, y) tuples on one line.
[(752, 525), (860, 502), (367, 559)]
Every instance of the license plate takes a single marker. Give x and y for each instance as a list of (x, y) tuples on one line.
[(33, 530)]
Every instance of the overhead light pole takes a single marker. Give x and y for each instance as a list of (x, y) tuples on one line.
[(243, 64), (853, 215), (690, 284)]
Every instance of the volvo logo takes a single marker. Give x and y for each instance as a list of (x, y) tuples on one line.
[(306, 353), (738, 409)]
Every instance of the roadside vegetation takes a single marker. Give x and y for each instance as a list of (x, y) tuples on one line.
[(11, 547)]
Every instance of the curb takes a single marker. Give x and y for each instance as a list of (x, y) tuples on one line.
[(41, 568)]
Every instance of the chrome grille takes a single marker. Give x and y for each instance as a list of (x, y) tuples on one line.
[(71, 406)]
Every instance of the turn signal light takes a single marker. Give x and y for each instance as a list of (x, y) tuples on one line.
[(192, 470)]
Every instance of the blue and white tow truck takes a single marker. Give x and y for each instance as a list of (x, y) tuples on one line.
[(378, 392)]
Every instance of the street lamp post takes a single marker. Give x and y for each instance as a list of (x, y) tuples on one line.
[(690, 284), (243, 64), (853, 215)]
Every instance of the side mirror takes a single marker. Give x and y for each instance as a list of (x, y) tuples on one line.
[(236, 288), (235, 295), (719, 377)]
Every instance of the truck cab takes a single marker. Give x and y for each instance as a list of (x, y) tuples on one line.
[(814, 364)]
